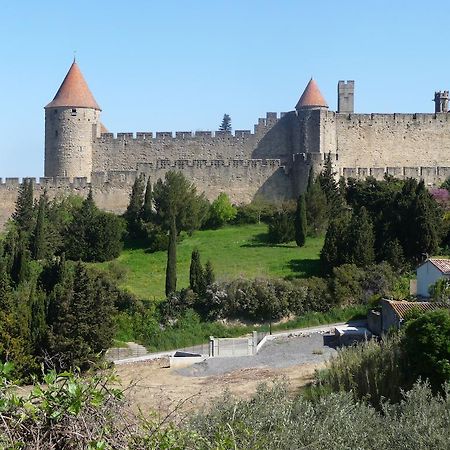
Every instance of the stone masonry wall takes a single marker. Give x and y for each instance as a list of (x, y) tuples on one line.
[(270, 140), (242, 180), (393, 140)]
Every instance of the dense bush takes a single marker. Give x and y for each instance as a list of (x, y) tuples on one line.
[(255, 212), (427, 347), (220, 212), (274, 419), (281, 226)]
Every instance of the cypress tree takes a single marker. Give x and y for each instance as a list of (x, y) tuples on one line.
[(316, 210), (361, 239), (171, 269), (209, 276), (196, 275), (334, 248), (134, 209), (300, 221), (329, 186), (23, 214), (39, 242), (147, 208)]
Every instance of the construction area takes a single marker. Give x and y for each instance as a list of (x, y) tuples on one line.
[(153, 385)]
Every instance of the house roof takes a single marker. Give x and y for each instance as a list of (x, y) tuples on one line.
[(441, 264), (311, 97), (74, 92), (402, 308)]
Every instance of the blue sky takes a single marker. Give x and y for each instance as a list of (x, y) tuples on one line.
[(180, 65)]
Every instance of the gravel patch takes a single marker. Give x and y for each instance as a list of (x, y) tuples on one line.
[(279, 353)]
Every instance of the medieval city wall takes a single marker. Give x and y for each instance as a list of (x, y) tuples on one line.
[(271, 139), (392, 140), (242, 180)]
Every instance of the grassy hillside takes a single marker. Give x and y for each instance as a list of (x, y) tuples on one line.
[(234, 251)]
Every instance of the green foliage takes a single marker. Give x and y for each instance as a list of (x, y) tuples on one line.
[(23, 214), (440, 291), (427, 348), (178, 207), (407, 221), (259, 210), (226, 123), (334, 251), (316, 208), (221, 211), (371, 370), (81, 318), (209, 275), (196, 273), (300, 221), (147, 207), (281, 227), (360, 246), (171, 269), (39, 241), (134, 209), (330, 188), (93, 235)]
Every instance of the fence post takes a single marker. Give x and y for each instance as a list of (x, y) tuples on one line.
[(211, 346), (254, 341)]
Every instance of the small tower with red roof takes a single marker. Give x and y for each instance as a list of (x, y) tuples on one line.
[(316, 126), (72, 122)]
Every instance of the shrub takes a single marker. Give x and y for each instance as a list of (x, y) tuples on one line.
[(427, 347), (281, 227), (221, 211)]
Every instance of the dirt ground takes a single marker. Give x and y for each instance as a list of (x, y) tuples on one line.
[(153, 386)]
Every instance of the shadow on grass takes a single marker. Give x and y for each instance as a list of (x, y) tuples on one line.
[(262, 240), (304, 268), (134, 244)]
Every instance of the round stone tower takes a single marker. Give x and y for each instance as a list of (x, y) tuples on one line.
[(72, 122)]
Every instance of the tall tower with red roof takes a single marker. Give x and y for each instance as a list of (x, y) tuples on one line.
[(72, 122)]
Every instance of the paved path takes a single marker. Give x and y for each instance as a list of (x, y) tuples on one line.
[(138, 353)]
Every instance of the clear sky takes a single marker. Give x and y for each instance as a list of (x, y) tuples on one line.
[(168, 65)]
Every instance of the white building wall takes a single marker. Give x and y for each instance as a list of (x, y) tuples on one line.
[(427, 275)]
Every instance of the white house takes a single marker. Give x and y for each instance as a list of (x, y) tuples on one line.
[(429, 272)]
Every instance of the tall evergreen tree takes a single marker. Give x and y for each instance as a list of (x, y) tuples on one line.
[(147, 208), (361, 240), (226, 123), (334, 249), (178, 207), (316, 209), (134, 209), (39, 239), (23, 213), (171, 268), (300, 221), (209, 276), (196, 273), (330, 188)]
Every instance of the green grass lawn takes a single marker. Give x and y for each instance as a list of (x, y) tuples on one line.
[(234, 251)]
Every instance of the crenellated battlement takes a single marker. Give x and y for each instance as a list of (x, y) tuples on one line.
[(394, 118), (263, 124)]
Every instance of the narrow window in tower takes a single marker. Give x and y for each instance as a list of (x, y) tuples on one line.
[(74, 112), (56, 133)]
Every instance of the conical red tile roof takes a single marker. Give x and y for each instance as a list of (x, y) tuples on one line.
[(311, 97), (74, 91)]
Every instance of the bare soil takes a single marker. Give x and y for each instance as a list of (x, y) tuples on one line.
[(153, 386)]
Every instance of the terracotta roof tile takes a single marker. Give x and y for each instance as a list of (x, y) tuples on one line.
[(442, 264), (74, 91), (402, 308), (311, 97)]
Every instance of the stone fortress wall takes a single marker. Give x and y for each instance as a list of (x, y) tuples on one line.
[(272, 161)]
